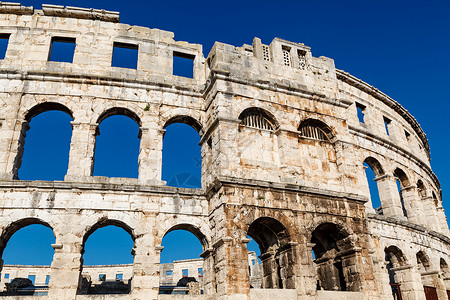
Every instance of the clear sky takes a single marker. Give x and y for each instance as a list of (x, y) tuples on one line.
[(400, 47)]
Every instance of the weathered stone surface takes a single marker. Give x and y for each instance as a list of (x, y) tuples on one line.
[(282, 161)]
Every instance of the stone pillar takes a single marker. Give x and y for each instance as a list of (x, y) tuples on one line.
[(430, 214), (145, 282), (306, 280), (389, 196), (410, 282), (81, 155), (150, 156), (208, 271), (232, 269), (12, 140), (412, 204), (65, 268)]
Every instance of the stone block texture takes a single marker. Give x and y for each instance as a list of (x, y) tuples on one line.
[(282, 162)]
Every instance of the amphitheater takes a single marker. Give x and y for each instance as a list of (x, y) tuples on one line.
[(284, 138)]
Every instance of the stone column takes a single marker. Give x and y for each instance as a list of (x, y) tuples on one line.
[(410, 282), (430, 213), (65, 268), (306, 280), (145, 282), (81, 155), (150, 156), (12, 140), (412, 204), (389, 196), (208, 271)]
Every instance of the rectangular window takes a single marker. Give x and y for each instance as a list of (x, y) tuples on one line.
[(169, 273), (183, 64), (185, 272), (265, 51), (32, 278), (361, 112), (387, 123), (6, 276), (119, 276), (125, 55), (200, 272), (286, 56), (4, 40), (62, 49), (102, 277), (47, 279), (301, 59)]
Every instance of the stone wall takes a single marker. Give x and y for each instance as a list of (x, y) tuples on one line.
[(282, 162)]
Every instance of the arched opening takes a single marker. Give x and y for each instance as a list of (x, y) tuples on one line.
[(182, 269), (316, 130), (402, 182), (334, 258), (421, 189), (445, 274), (44, 143), (373, 170), (107, 259), (277, 256), (258, 118), (117, 144), (428, 280), (27, 254), (181, 153), (254, 264), (395, 263), (435, 199)]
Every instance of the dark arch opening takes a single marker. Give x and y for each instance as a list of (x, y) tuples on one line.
[(394, 259), (421, 189), (330, 242), (182, 267), (43, 150), (117, 144), (107, 258), (402, 182), (25, 246), (181, 154), (258, 118), (316, 129), (277, 254)]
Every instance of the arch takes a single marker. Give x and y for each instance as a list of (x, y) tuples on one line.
[(375, 165), (402, 177), (395, 256), (119, 111), (423, 261), (421, 189), (330, 242), (445, 271), (435, 199), (103, 222), (46, 106), (192, 229), (188, 120), (277, 254), (315, 129), (9, 231), (259, 118)]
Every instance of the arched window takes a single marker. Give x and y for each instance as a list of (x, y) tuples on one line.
[(421, 189), (26, 246), (394, 260), (316, 130), (107, 259), (257, 118), (117, 144), (46, 143), (332, 269), (402, 182), (181, 154), (373, 170), (182, 269), (276, 253)]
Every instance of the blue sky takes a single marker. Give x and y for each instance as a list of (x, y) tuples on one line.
[(400, 47)]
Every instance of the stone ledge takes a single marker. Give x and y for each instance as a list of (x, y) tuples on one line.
[(15, 8), (80, 13)]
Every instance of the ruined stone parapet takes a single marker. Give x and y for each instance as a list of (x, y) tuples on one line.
[(282, 162)]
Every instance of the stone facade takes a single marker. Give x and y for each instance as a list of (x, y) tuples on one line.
[(282, 162)]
